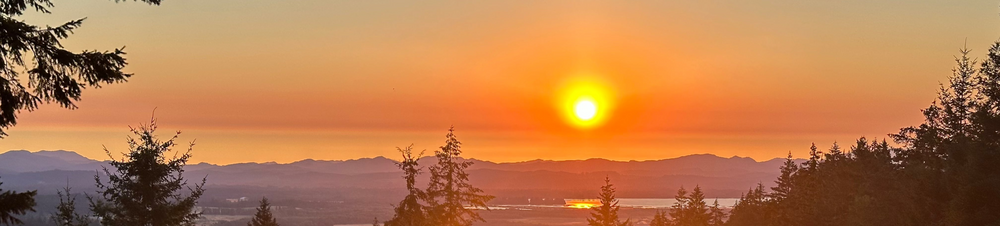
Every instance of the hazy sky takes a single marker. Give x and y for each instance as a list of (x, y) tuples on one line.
[(268, 80)]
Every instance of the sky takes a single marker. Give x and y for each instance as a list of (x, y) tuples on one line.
[(261, 81)]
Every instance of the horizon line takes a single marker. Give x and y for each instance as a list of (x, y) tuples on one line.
[(394, 160)]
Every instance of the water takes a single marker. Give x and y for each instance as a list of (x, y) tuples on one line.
[(666, 203), (632, 203)]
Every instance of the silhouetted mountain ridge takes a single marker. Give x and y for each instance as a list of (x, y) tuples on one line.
[(25, 161), (47, 170)]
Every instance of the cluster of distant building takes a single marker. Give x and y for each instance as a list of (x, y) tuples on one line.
[(237, 200)]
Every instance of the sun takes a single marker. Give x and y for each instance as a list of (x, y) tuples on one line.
[(586, 102), (585, 109)]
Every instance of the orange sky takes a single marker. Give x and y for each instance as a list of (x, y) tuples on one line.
[(258, 80)]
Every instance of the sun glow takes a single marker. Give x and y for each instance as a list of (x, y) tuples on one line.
[(586, 102)]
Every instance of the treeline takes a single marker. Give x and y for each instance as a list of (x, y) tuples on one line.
[(946, 171)]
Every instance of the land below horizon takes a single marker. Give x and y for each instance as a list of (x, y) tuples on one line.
[(353, 191)]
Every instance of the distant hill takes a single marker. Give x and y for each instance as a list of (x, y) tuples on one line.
[(719, 176), (21, 161)]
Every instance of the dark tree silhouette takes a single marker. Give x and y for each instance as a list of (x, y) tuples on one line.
[(145, 187), (660, 219), (781, 192), (784, 182), (698, 209), (15, 203), (716, 217), (409, 212), (679, 209), (945, 172), (66, 214), (54, 74), (607, 213), (751, 209), (956, 150), (263, 217), (449, 190), (690, 209), (981, 187)]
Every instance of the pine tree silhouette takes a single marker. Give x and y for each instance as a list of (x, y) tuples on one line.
[(263, 216), (953, 155), (55, 73), (751, 209), (690, 209), (409, 211), (716, 217), (607, 213), (697, 208), (660, 219), (145, 187), (784, 182), (15, 203), (678, 212), (449, 190), (66, 214)]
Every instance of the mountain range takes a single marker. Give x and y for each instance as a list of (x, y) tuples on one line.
[(720, 177)]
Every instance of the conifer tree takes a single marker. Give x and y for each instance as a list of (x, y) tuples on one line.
[(697, 208), (409, 212), (54, 73), (449, 190), (751, 209), (954, 152), (784, 182), (690, 209), (716, 217), (982, 173), (660, 219), (145, 186), (66, 214), (263, 217), (15, 203), (678, 211), (809, 184), (607, 213), (814, 158), (932, 150)]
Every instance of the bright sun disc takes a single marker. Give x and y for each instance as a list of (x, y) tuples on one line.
[(585, 109), (586, 103)]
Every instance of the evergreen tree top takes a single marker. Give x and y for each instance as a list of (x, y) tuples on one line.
[(145, 187), (607, 213), (263, 217)]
